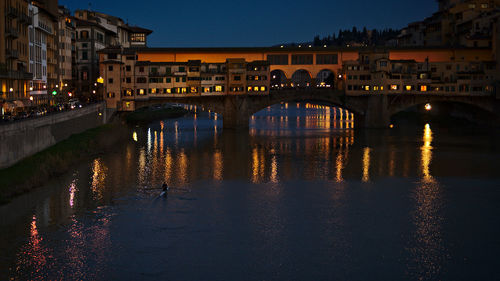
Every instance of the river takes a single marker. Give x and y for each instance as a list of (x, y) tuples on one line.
[(299, 196)]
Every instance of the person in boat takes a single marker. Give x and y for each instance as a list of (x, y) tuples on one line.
[(164, 188)]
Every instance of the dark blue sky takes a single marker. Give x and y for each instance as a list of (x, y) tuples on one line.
[(255, 22)]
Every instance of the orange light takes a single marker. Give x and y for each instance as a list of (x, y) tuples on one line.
[(428, 107)]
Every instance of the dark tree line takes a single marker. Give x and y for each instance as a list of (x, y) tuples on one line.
[(355, 36)]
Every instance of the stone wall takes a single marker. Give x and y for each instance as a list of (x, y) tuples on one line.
[(21, 139)]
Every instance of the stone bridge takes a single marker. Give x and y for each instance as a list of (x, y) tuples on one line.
[(370, 111)]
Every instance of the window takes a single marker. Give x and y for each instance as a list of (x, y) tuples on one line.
[(84, 34), (302, 59), (142, 92), (423, 88), (110, 68), (110, 80), (219, 88), (263, 89), (128, 93), (138, 37), (177, 79), (383, 63), (484, 6), (130, 57), (112, 56), (237, 78), (169, 80), (277, 59), (394, 87), (141, 69), (99, 37), (85, 56), (193, 90), (327, 59), (141, 80), (128, 68), (182, 69), (128, 80)]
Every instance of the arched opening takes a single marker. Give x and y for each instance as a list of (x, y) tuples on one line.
[(302, 116), (325, 79), (301, 79), (278, 79), (451, 113)]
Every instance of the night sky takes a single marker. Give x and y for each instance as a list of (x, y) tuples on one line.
[(231, 23)]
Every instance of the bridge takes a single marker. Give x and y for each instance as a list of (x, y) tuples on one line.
[(370, 111)]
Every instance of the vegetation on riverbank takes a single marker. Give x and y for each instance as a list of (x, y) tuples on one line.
[(145, 115), (36, 170)]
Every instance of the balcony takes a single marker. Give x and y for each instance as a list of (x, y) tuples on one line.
[(16, 75), (11, 32), (11, 54), (12, 12)]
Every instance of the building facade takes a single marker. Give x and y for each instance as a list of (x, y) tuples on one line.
[(94, 32), (127, 80), (466, 23), (14, 55), (376, 73)]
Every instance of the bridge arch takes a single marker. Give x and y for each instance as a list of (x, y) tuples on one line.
[(477, 109), (302, 78), (279, 79), (325, 78)]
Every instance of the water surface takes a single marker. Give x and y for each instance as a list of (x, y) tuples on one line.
[(300, 196)]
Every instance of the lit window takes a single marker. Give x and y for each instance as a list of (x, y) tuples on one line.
[(141, 91), (249, 88), (394, 87), (183, 90), (206, 90), (194, 90), (262, 89), (169, 91), (375, 88), (218, 88), (408, 88), (423, 88), (381, 88), (367, 88), (255, 89), (127, 104), (153, 91), (484, 6)]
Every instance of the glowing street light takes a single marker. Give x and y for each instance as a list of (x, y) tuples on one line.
[(428, 107)]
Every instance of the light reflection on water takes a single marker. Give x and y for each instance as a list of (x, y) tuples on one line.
[(308, 171)]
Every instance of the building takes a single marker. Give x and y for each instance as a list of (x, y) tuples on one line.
[(44, 54), (456, 23), (376, 73), (96, 31), (127, 80), (67, 46), (14, 55)]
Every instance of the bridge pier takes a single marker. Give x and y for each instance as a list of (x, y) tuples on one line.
[(236, 114), (376, 114)]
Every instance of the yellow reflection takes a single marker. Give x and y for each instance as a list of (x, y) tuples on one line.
[(98, 178), (366, 164), (274, 170), (134, 136), (427, 154), (339, 165), (72, 191), (218, 166)]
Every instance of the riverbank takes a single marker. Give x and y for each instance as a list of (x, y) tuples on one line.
[(34, 171), (146, 115)]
